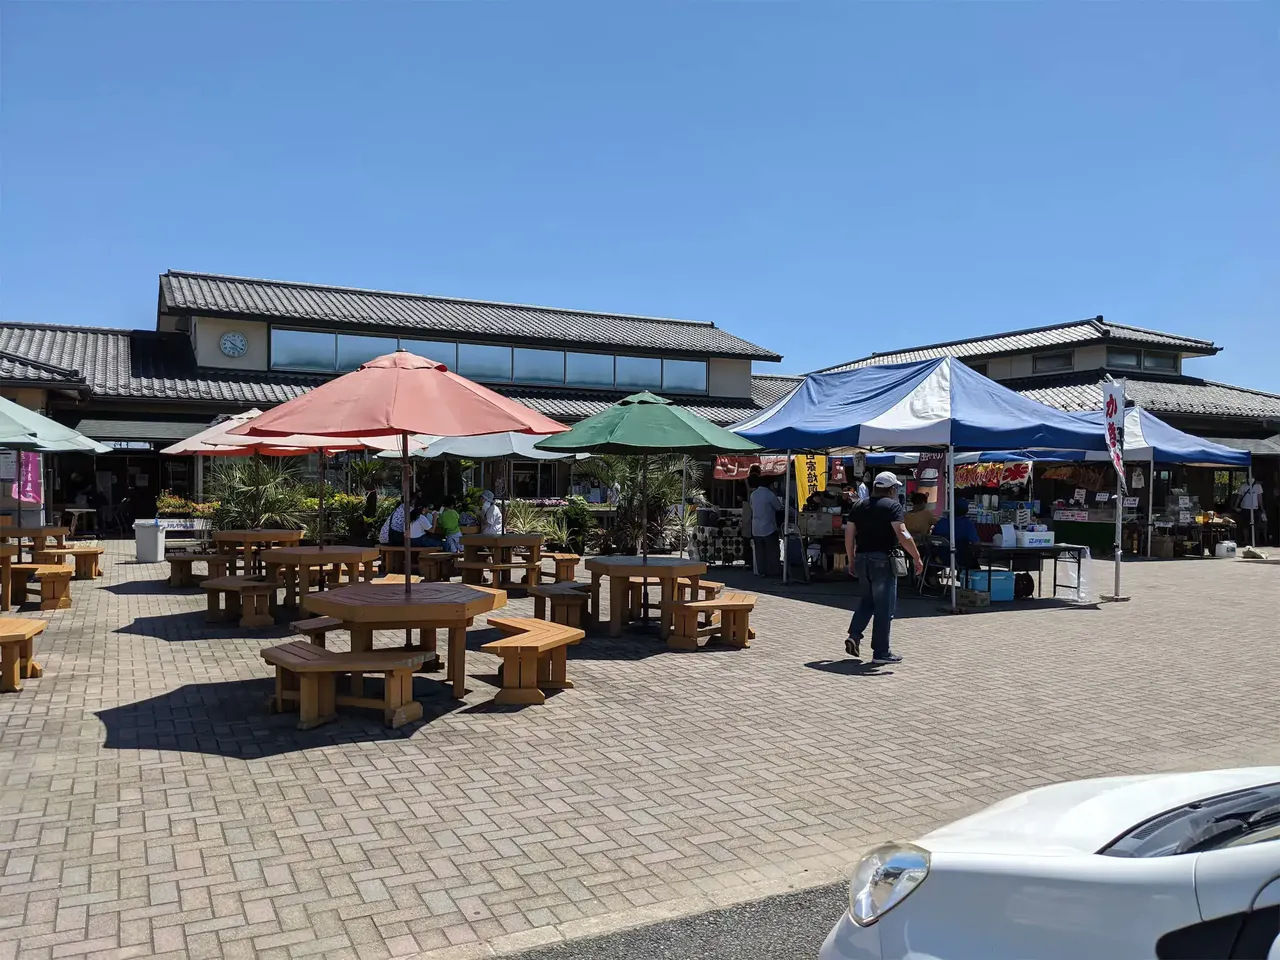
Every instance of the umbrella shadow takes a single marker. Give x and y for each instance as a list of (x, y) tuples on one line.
[(185, 627), (233, 719), (147, 588)]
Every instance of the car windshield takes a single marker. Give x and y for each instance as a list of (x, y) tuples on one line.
[(1232, 819)]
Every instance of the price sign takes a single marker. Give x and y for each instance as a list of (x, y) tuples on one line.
[(1130, 501), (1080, 495), (1184, 503), (1102, 497), (1184, 516)]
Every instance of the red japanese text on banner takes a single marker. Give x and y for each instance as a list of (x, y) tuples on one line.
[(1113, 420)]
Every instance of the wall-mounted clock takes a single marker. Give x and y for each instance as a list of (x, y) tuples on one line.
[(234, 344)]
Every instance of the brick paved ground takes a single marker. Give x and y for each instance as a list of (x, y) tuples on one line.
[(149, 804)]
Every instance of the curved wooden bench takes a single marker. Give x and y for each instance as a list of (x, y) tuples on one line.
[(87, 559), (730, 621), (180, 574), (17, 652), (307, 674), (54, 580), (533, 658), (260, 595), (568, 601)]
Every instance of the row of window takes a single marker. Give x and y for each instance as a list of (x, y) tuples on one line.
[(312, 351), (1117, 357)]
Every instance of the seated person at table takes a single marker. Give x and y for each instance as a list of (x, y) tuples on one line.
[(967, 538), (920, 520), (392, 531), (449, 525), (422, 529), (490, 515)]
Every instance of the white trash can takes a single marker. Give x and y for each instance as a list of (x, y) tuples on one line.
[(148, 538)]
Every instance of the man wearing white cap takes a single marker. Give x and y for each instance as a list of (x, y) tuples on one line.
[(873, 528)]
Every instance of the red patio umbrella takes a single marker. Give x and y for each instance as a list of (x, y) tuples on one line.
[(394, 396)]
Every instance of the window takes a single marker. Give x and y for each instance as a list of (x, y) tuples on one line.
[(441, 351), (684, 376), (638, 373), (1161, 362), (303, 350), (480, 361), (978, 368), (1120, 357), (588, 369), (1051, 362), (538, 366), (353, 350)]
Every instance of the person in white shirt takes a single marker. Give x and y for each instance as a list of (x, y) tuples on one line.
[(764, 528), (1249, 503), (490, 515), (422, 530)]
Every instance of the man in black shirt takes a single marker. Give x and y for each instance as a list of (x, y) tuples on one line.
[(872, 529)]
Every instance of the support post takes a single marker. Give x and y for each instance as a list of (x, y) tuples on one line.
[(786, 522), (1151, 502), (951, 525)]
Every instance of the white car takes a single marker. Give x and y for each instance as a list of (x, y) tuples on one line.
[(1172, 866)]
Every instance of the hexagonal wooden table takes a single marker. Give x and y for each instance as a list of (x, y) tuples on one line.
[(620, 570), (366, 607)]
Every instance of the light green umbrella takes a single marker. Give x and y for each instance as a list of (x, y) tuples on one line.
[(23, 429)]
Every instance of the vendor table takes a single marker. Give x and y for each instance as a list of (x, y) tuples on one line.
[(992, 555), (620, 570), (40, 537), (302, 568), (501, 549), (366, 607), (233, 542)]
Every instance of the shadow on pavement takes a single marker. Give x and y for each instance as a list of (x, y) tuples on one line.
[(233, 719), (850, 668)]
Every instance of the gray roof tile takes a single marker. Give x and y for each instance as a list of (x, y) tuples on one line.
[(1181, 395), (301, 303), (1038, 338)]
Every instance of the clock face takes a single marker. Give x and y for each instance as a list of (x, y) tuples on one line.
[(233, 344)]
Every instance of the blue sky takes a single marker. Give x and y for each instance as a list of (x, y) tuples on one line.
[(824, 179)]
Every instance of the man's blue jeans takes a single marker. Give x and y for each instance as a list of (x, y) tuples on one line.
[(880, 602)]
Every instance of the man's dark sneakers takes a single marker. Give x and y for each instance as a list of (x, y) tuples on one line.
[(853, 646), (887, 658)]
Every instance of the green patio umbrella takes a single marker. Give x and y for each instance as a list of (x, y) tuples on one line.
[(646, 424), (23, 429)]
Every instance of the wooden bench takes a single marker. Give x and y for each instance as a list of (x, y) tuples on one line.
[(17, 652), (307, 674), (730, 616), (54, 580), (636, 606), (315, 628), (248, 598), (566, 566), (533, 658), (473, 571), (180, 574), (707, 589), (436, 567), (87, 559), (568, 602), (393, 557)]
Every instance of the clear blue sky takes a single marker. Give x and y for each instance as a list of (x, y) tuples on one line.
[(826, 180)]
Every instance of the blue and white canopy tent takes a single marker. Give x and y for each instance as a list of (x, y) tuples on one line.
[(939, 403)]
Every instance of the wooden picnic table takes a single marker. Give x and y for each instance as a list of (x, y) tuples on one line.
[(233, 542), (366, 607), (8, 551), (620, 570), (302, 568), (40, 537), (500, 560)]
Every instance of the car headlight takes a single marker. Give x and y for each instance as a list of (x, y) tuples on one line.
[(884, 878)]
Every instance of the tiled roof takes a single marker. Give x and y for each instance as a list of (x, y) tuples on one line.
[(117, 363), (210, 294), (1038, 338), (137, 363), (1082, 390), (104, 428)]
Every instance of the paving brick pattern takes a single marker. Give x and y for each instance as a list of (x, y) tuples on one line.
[(151, 806)]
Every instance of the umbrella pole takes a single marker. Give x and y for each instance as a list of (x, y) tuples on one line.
[(684, 512), (323, 484), (951, 526), (404, 502)]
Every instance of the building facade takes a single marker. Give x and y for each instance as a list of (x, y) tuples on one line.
[(223, 344)]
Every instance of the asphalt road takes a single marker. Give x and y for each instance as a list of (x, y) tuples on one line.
[(790, 926)]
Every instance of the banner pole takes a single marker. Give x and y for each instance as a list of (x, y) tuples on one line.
[(951, 525), (786, 520)]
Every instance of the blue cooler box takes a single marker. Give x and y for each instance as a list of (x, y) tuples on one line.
[(998, 583)]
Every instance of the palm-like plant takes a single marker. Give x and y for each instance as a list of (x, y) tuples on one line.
[(258, 492), (646, 486)]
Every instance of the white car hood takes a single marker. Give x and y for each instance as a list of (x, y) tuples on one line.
[(1083, 816)]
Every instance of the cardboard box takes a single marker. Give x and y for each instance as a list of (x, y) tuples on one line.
[(1041, 539), (972, 598)]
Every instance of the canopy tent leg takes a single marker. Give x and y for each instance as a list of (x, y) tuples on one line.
[(951, 526), (1151, 503), (404, 494), (786, 521)]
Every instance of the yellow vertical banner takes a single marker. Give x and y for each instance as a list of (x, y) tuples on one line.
[(811, 477)]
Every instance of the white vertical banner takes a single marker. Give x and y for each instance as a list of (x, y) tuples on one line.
[(1113, 421)]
